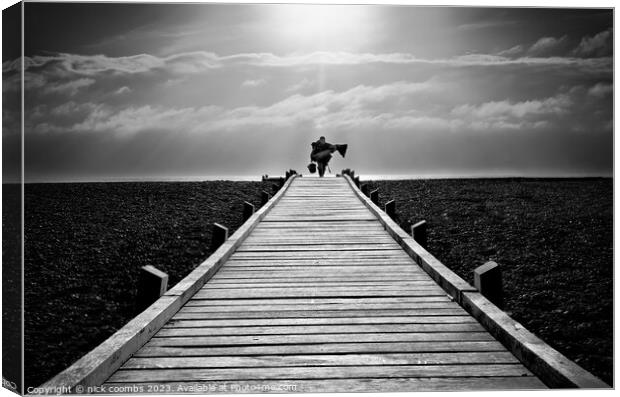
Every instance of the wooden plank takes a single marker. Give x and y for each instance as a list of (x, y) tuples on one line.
[(318, 247), (327, 372), (325, 348), (393, 253), (300, 292), (310, 301), (274, 284), (327, 270), (366, 222), (321, 360), (382, 385), (309, 259), (318, 321), (319, 240), (319, 338), (318, 306), (321, 313), (317, 329), (299, 280)]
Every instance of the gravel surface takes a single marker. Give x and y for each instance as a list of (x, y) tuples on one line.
[(553, 239), (85, 244)]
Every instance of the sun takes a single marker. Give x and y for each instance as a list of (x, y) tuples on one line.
[(320, 25)]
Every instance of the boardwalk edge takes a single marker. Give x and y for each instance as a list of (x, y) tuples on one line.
[(552, 367), (97, 365)]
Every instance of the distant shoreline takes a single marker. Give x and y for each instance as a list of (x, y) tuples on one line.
[(257, 178)]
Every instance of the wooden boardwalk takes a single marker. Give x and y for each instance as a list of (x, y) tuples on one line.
[(320, 298)]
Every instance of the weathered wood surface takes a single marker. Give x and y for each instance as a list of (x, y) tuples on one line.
[(321, 296), (97, 365), (548, 364)]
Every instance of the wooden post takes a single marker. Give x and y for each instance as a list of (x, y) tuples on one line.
[(365, 189), (390, 208), (418, 232), (219, 236), (352, 174), (152, 283), (357, 181), (488, 280), (264, 197), (374, 196), (287, 175), (248, 210)]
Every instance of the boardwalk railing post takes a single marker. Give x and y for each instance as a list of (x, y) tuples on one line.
[(219, 236), (488, 280), (264, 197), (152, 283), (418, 232), (390, 208), (365, 189), (374, 196), (357, 181), (248, 210)]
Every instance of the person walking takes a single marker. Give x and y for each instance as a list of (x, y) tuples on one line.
[(322, 153)]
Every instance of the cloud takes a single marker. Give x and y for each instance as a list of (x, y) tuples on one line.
[(198, 62), (512, 51), (359, 105), (546, 46), (302, 85), (70, 87), (253, 83), (123, 90), (556, 105), (397, 106), (601, 90), (599, 45)]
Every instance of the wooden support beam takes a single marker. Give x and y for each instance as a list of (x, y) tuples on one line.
[(248, 210), (390, 208), (418, 232), (264, 197), (152, 283), (374, 196), (219, 236), (488, 280)]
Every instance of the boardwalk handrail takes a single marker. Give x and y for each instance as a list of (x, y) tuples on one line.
[(97, 365), (552, 367)]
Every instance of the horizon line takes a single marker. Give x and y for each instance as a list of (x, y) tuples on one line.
[(258, 178)]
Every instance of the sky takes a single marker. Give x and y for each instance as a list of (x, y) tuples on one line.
[(176, 91)]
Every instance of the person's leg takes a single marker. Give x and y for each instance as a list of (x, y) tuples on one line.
[(321, 167)]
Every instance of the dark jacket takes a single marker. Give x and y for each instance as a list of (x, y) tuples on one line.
[(319, 146)]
